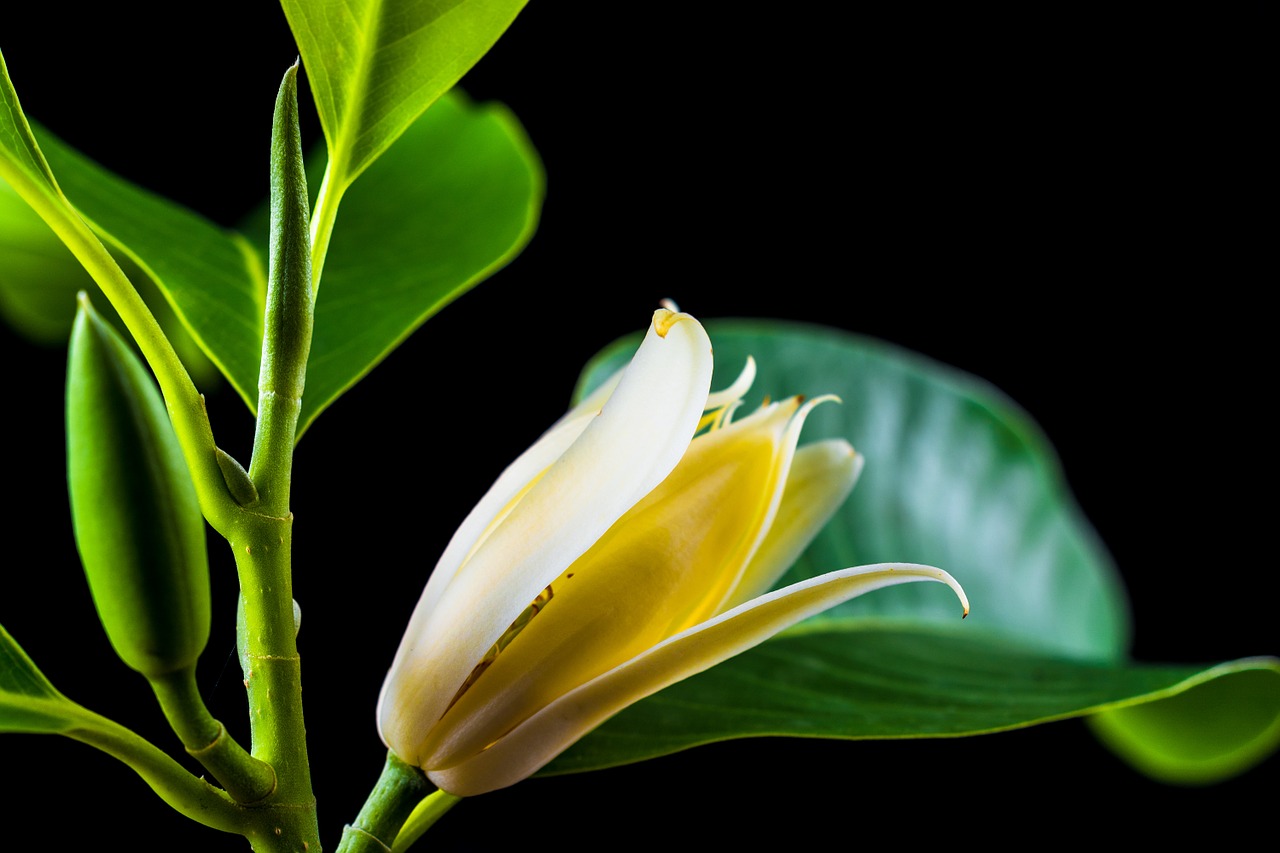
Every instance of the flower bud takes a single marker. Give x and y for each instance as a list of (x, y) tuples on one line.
[(137, 522)]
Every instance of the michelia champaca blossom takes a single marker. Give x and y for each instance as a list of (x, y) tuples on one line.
[(630, 547)]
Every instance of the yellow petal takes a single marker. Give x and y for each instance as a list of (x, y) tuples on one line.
[(638, 437), (543, 736), (821, 477), (665, 565)]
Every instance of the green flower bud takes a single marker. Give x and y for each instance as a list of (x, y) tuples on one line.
[(137, 522)]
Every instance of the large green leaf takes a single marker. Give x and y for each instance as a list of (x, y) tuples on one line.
[(456, 198), (213, 279), (862, 678), (956, 476), (452, 201), (41, 278), (375, 65), (28, 702), (213, 282)]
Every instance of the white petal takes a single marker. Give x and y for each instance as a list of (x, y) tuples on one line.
[(821, 477), (546, 734), (638, 437), (514, 479), (735, 391)]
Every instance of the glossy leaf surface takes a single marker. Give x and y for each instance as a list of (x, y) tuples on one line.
[(959, 477), (375, 65), (861, 679), (453, 201)]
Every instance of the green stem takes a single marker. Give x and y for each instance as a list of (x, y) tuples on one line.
[(261, 537), (245, 778), (332, 189), (195, 798), (184, 402), (400, 788)]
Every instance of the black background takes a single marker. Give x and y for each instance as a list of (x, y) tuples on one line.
[(1063, 202)]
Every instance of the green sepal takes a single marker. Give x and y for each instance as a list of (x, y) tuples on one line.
[(134, 510)]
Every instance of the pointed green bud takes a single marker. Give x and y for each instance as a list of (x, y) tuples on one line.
[(137, 521), (237, 479)]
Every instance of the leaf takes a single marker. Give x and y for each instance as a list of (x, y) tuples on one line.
[(452, 201), (375, 65), (213, 279), (41, 279), (1213, 731), (20, 157), (208, 275), (956, 476), (863, 678), (28, 702)]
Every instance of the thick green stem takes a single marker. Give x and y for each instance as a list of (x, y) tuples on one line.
[(262, 547)]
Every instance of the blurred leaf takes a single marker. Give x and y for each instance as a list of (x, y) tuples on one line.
[(1216, 729), (40, 279), (957, 476), (375, 65)]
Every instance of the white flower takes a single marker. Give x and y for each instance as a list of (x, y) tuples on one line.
[(618, 555)]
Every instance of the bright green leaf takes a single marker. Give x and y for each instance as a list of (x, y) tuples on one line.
[(863, 678), (212, 278), (41, 279), (1216, 729), (452, 201), (20, 157), (375, 65), (28, 702)]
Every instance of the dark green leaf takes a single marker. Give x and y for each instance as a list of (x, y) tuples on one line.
[(859, 679), (956, 476)]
